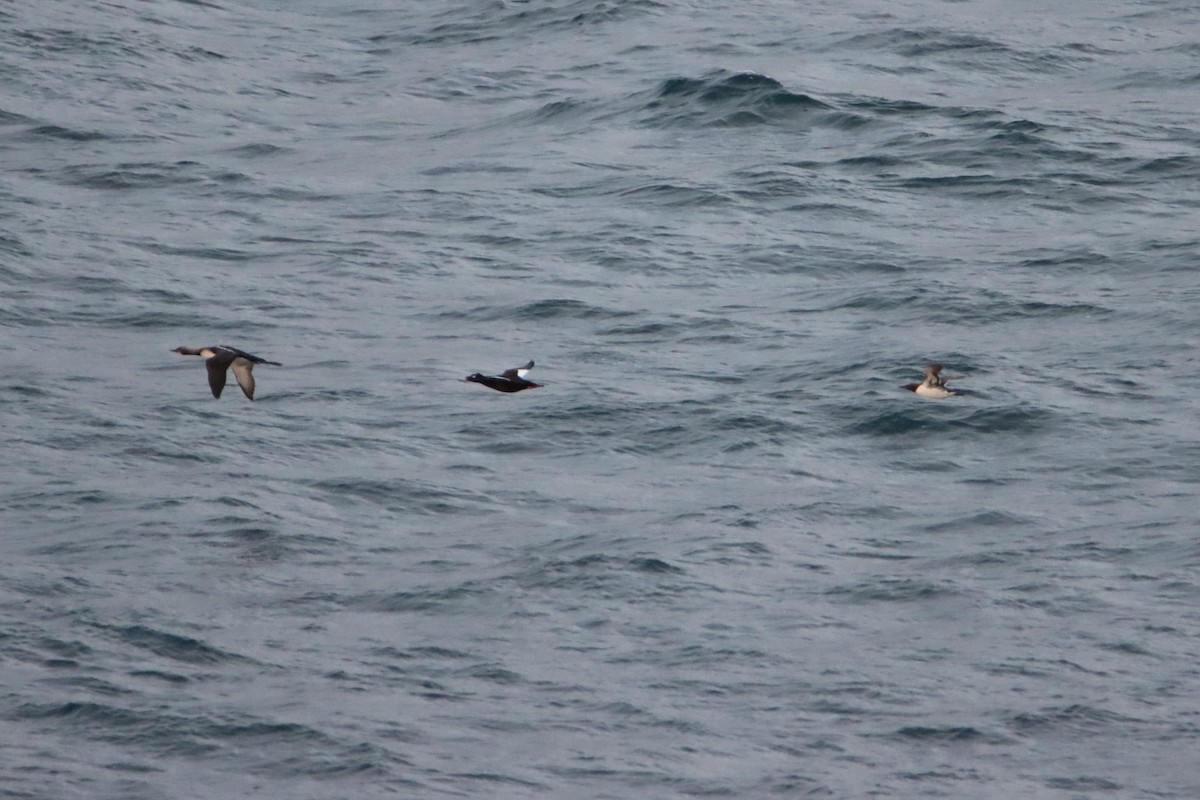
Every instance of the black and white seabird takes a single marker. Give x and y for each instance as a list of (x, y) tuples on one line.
[(511, 380), (934, 386), (220, 358)]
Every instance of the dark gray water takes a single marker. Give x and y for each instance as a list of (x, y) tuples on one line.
[(721, 553)]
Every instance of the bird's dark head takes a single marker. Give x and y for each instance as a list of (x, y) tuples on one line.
[(183, 351), (475, 377)]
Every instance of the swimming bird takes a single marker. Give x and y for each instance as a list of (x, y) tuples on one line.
[(511, 380), (220, 358), (934, 386)]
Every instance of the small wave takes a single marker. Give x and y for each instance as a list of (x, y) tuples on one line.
[(676, 327), (655, 565), (722, 98), (132, 176), (976, 185), (988, 519), (1027, 419), (13, 246), (915, 43), (943, 735), (550, 309), (718, 99), (658, 193), (104, 317), (159, 675), (1067, 258), (671, 194), (734, 552), (937, 44), (954, 414), (1187, 167), (1085, 783), (208, 253), (448, 600), (258, 150), (400, 494), (886, 107), (172, 645), (161, 455), (1067, 721), (493, 21), (68, 134), (892, 590), (9, 118), (558, 110), (603, 572), (475, 167)]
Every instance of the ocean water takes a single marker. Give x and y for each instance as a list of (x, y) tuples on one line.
[(721, 553)]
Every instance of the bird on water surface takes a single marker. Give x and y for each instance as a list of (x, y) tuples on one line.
[(511, 380), (221, 359), (934, 386)]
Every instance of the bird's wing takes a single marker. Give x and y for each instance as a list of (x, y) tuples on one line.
[(517, 373), (216, 374), (243, 371)]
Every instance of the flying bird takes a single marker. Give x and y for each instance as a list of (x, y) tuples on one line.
[(221, 359), (511, 380)]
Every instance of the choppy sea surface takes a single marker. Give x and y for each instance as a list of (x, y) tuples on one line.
[(720, 553)]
